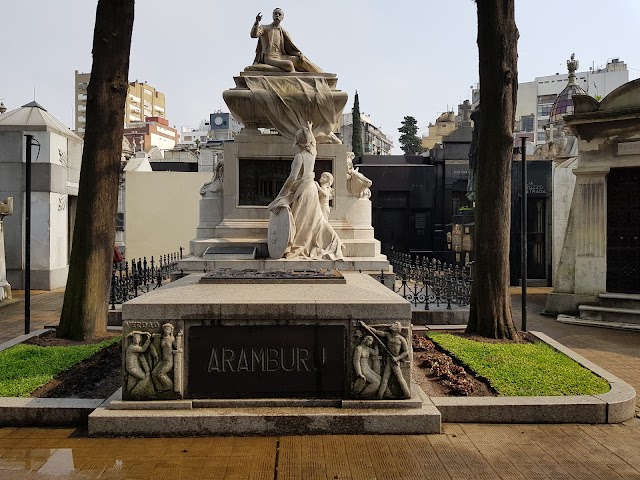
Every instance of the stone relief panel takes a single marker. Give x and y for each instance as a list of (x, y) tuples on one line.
[(381, 362), (153, 361)]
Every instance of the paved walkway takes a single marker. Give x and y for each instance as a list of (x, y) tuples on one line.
[(462, 451)]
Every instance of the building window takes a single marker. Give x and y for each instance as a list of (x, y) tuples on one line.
[(542, 99), (542, 136), (544, 110)]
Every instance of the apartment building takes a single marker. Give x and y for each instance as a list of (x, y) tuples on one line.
[(142, 101), (374, 141), (536, 98)]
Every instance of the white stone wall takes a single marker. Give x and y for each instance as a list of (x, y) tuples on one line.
[(161, 212), (59, 230)]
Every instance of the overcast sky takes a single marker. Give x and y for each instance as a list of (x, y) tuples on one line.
[(411, 57)]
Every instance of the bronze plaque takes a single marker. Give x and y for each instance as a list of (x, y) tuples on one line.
[(267, 361)]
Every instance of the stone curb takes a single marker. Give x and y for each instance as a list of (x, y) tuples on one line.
[(615, 406), (43, 412)]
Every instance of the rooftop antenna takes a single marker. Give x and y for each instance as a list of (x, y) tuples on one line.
[(34, 93)]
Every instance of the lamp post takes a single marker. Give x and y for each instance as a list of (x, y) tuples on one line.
[(27, 248), (523, 232)]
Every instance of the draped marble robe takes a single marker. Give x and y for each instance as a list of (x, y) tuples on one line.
[(311, 236)]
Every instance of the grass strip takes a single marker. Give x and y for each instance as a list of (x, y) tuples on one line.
[(24, 367), (523, 369)]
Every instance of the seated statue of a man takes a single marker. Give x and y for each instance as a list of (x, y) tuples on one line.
[(275, 47)]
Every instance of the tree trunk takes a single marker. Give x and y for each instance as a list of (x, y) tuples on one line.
[(490, 312), (84, 312)]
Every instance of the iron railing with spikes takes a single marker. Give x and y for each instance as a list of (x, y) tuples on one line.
[(424, 281), (130, 279)]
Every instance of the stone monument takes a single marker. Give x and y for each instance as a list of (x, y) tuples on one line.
[(234, 350), (281, 92), (6, 208)]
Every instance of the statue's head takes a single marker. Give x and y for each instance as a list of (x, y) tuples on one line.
[(396, 327), (167, 329), (136, 338), (368, 340), (326, 178), (278, 16), (305, 140)]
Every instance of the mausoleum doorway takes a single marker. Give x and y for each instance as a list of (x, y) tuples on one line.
[(623, 230)]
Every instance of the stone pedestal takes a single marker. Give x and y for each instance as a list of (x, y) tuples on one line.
[(211, 214), (236, 352), (223, 334), (245, 216)]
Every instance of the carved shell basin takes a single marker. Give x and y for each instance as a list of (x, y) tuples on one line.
[(244, 107)]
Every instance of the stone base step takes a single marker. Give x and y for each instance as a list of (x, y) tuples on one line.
[(609, 314), (358, 247), (365, 264), (267, 418), (619, 300), (598, 323)]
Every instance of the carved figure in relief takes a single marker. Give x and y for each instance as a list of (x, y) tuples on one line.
[(364, 365), (137, 366), (325, 192), (216, 183), (275, 47), (396, 349), (310, 234), (357, 184), (165, 363)]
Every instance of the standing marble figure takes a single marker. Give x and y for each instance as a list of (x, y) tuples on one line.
[(325, 193), (275, 47), (310, 235)]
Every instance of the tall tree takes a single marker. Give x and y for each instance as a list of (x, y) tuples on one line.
[(490, 311), (409, 140), (84, 312), (356, 137)]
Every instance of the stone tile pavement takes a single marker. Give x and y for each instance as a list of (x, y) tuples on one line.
[(45, 310), (462, 451)]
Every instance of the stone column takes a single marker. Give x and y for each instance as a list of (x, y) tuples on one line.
[(591, 231), (6, 208)]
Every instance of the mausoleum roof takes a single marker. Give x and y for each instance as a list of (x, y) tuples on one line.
[(34, 117), (564, 103)]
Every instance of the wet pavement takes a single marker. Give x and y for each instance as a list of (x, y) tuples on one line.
[(462, 451)]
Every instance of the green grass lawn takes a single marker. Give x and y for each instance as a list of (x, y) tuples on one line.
[(24, 368), (522, 369)]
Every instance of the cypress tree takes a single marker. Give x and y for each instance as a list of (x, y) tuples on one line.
[(356, 141)]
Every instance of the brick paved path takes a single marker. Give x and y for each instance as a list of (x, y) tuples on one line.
[(462, 451)]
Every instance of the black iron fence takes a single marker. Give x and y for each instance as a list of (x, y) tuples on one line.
[(130, 279), (430, 282)]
